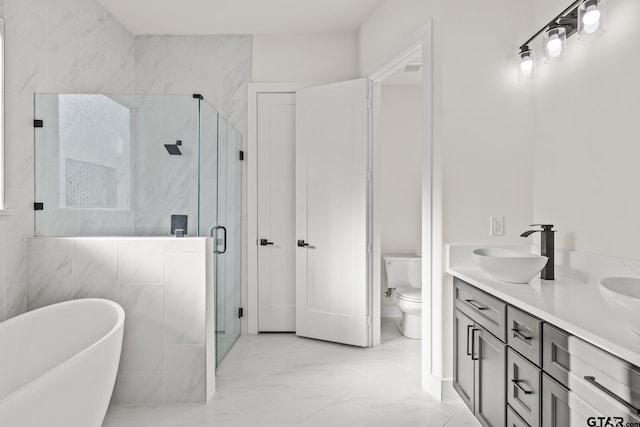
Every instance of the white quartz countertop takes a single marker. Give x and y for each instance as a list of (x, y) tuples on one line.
[(572, 302)]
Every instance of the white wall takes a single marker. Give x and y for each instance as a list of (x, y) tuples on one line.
[(481, 135), (486, 132), (320, 58), (388, 26), (400, 174), (51, 46), (586, 134)]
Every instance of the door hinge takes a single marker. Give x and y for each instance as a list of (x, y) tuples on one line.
[(241, 155), (369, 321), (369, 176), (369, 104), (240, 313), (38, 123), (369, 248)]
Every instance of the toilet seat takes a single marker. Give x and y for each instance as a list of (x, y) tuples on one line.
[(409, 294)]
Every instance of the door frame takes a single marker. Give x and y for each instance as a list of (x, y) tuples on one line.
[(252, 193), (432, 250), (373, 267)]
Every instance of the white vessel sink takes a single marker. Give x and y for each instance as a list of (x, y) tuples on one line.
[(509, 265), (623, 294)]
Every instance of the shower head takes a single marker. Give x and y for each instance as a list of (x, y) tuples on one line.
[(173, 149)]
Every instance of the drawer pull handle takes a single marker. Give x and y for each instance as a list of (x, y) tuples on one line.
[(592, 381), (468, 328), (476, 304), (473, 344), (522, 389), (517, 333)]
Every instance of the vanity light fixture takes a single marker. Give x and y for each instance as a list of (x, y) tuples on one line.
[(527, 62), (554, 44), (585, 17), (590, 20)]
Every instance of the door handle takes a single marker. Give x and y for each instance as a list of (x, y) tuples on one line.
[(473, 344), (468, 334), (522, 389), (303, 244), (265, 242), (224, 237)]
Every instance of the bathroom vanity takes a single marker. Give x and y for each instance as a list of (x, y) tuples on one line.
[(546, 353)]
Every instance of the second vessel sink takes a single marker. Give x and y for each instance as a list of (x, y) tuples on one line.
[(623, 294), (509, 265)]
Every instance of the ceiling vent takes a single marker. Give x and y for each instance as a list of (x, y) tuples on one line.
[(412, 68)]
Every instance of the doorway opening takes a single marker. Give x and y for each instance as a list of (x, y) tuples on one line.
[(407, 53)]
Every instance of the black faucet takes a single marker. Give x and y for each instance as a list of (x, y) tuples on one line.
[(546, 248)]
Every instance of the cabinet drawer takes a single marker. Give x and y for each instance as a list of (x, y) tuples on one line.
[(514, 420), (523, 387), (487, 310), (604, 381), (555, 404), (574, 408), (555, 353), (524, 333)]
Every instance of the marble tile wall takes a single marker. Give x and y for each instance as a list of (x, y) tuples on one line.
[(51, 46), (165, 185), (163, 286), (219, 68), (75, 46)]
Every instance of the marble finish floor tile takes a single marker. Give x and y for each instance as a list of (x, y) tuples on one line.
[(283, 380)]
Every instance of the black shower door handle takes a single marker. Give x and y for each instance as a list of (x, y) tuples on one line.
[(224, 237)]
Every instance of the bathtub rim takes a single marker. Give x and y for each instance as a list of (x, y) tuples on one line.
[(119, 324)]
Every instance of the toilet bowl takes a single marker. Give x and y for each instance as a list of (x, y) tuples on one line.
[(404, 281)]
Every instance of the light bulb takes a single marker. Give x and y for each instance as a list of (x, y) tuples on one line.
[(554, 46), (591, 19), (526, 65)]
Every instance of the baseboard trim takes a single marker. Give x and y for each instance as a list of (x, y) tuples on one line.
[(441, 389)]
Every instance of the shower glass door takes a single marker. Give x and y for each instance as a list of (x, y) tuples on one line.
[(228, 239)]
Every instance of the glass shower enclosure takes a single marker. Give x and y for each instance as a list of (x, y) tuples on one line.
[(143, 165)]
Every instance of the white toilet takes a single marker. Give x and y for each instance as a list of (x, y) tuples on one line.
[(405, 283)]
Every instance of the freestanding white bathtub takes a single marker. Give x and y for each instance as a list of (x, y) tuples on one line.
[(58, 364)]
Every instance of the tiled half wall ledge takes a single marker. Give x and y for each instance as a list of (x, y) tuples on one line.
[(165, 286)]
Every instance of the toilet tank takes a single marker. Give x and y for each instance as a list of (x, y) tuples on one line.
[(403, 270)]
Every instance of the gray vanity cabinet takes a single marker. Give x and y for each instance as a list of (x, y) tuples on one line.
[(512, 369), (489, 378), (514, 420), (555, 403), (478, 370), (480, 355), (463, 364)]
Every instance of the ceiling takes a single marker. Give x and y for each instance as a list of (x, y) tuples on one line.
[(268, 17)]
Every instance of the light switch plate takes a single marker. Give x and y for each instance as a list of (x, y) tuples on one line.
[(496, 227)]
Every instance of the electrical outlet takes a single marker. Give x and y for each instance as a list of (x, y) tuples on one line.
[(496, 227)]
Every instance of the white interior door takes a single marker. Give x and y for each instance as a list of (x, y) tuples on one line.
[(276, 212), (331, 212)]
